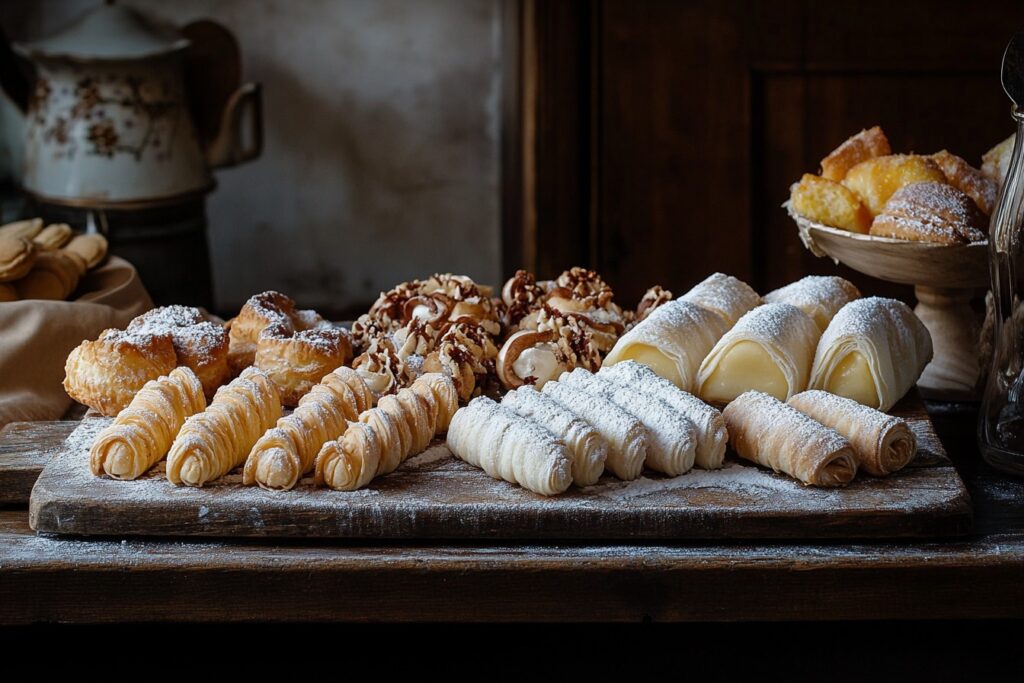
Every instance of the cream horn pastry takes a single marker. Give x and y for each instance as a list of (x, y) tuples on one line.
[(510, 447), (671, 436), (142, 433), (764, 430), (589, 450), (727, 296), (873, 351), (626, 435), (881, 443), (770, 349), (672, 341), (288, 450), (217, 440), (712, 436), (819, 296)]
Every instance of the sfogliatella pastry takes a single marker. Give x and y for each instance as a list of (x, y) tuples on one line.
[(288, 451), (53, 277), (17, 255), (711, 433), (876, 180), (217, 440), (626, 435), (819, 296), (770, 349), (671, 436), (873, 351), (931, 212), (865, 145), (53, 236), (588, 448), (725, 295), (672, 341), (107, 373), (882, 444), (510, 447), (969, 180), (199, 344), (766, 431), (143, 432), (829, 203)]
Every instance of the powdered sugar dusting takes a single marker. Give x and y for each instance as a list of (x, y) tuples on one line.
[(816, 295), (727, 296)]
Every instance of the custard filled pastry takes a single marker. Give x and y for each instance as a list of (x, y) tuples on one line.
[(876, 180), (819, 296), (141, 434), (770, 349), (873, 351), (510, 447), (768, 432), (881, 443), (288, 451), (672, 341), (931, 212), (725, 295), (217, 440), (199, 344)]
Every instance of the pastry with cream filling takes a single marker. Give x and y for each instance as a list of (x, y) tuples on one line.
[(725, 295), (819, 296)]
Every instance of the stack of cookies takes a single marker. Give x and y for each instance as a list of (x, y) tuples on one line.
[(45, 262)]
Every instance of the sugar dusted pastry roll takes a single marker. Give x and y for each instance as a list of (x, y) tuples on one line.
[(881, 443), (510, 447), (671, 436), (819, 296), (727, 296), (588, 448), (672, 341), (764, 430), (142, 433), (873, 351), (626, 435), (711, 433), (770, 349)]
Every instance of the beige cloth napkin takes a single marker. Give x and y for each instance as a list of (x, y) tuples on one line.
[(36, 337)]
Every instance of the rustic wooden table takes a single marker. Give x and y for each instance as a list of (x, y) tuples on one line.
[(78, 580)]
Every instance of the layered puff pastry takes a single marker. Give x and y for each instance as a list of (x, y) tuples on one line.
[(199, 344), (873, 352), (819, 296)]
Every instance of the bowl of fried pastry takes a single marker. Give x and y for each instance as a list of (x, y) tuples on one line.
[(909, 218)]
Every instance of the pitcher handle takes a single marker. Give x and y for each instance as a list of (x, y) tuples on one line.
[(242, 114)]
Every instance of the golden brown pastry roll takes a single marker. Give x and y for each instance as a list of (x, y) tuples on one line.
[(819, 296), (764, 430), (881, 443)]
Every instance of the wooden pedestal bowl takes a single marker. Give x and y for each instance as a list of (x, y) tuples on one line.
[(946, 279)]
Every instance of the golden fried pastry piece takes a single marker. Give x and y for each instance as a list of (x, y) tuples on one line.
[(441, 394), (17, 256), (969, 180), (217, 440), (865, 145), (27, 229), (7, 292), (875, 180), (53, 236), (829, 203), (996, 161), (91, 248), (198, 343), (143, 432), (107, 373), (931, 212), (54, 276)]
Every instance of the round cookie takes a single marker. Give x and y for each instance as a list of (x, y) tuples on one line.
[(27, 228), (17, 255), (53, 236), (92, 248), (54, 276)]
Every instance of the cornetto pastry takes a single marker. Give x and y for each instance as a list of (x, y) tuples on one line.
[(725, 295), (91, 248), (873, 351), (672, 341), (819, 296), (766, 431), (829, 203), (199, 344), (707, 421), (671, 436), (54, 276), (770, 349), (996, 162), (53, 236), (882, 444), (589, 450), (876, 180), (510, 447), (217, 440), (143, 432), (626, 436), (7, 292), (865, 145), (931, 212), (26, 229), (969, 180), (288, 451), (17, 256)]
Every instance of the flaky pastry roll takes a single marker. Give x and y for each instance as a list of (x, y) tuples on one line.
[(724, 294), (819, 296)]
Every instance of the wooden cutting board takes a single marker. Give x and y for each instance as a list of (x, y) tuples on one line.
[(434, 495)]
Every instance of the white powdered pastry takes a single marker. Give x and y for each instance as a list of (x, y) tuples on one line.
[(672, 438), (510, 447), (727, 296), (626, 435), (588, 448), (819, 296), (712, 435), (770, 349), (769, 432), (672, 341), (873, 351)]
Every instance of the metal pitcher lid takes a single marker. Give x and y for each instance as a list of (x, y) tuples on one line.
[(109, 32)]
